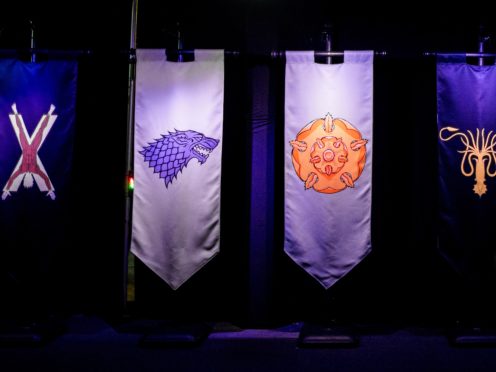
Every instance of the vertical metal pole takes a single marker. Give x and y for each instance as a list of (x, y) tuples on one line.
[(324, 44), (328, 46), (481, 50), (127, 273), (31, 41), (483, 38), (179, 44)]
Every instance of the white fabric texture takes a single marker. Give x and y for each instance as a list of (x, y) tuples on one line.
[(176, 207), (328, 232)]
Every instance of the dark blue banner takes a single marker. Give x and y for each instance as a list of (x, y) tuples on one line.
[(466, 96), (37, 117)]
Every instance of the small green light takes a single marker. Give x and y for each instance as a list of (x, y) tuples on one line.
[(130, 183)]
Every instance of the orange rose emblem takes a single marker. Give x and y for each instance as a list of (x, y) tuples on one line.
[(329, 155)]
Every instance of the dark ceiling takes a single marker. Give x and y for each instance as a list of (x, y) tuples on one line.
[(241, 24)]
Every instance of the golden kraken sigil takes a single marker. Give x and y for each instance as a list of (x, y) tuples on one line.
[(329, 155), (479, 151)]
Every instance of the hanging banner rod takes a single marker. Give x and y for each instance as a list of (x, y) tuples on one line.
[(275, 53), (132, 52), (272, 54), (474, 55), (280, 54), (47, 52)]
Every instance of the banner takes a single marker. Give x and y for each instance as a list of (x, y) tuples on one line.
[(177, 162), (37, 117), (328, 163), (466, 104)]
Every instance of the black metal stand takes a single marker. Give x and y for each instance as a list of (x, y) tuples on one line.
[(167, 334), (327, 335), (483, 334), (28, 333), (158, 333), (465, 336)]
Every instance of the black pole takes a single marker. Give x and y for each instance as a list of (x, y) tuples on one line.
[(32, 41), (326, 38), (129, 156), (179, 43), (482, 41)]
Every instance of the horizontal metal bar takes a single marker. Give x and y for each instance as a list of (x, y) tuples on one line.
[(478, 55), (132, 52), (48, 52), (276, 53)]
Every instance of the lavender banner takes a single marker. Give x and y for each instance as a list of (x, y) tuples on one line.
[(328, 163), (177, 162), (466, 105)]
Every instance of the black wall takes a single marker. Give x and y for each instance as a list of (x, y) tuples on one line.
[(404, 278)]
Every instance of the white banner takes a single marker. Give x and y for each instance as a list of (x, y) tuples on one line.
[(328, 163), (177, 162)]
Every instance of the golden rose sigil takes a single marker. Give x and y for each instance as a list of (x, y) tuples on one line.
[(329, 155)]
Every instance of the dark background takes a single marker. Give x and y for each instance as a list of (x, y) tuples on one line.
[(252, 281)]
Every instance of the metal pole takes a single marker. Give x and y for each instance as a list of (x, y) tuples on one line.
[(31, 41), (328, 46), (324, 47), (482, 41), (179, 44), (481, 50), (129, 155), (469, 55)]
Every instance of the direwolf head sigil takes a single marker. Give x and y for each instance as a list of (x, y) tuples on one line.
[(169, 154)]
